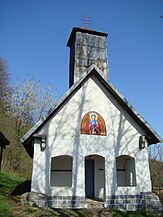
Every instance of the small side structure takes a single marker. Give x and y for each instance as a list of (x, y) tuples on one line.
[(93, 143), (3, 143)]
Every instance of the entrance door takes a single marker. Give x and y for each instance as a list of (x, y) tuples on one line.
[(89, 178)]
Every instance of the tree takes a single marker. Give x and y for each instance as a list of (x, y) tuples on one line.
[(156, 164), (25, 105), (4, 78), (29, 102)]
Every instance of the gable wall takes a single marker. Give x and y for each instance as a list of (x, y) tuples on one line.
[(64, 138)]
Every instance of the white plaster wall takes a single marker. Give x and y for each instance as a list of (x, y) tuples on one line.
[(64, 138), (39, 178)]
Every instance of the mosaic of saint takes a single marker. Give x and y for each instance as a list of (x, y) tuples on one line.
[(93, 123)]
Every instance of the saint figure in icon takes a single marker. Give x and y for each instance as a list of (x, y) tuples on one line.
[(93, 126)]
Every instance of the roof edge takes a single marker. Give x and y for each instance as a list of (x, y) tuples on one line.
[(133, 112), (155, 138), (60, 101)]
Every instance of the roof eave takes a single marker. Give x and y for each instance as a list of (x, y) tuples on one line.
[(40, 123), (151, 135)]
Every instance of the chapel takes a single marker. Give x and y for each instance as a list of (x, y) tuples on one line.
[(93, 143)]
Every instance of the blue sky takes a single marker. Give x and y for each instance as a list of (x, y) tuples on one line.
[(34, 34)]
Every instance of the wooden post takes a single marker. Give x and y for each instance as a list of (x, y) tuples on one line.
[(1, 157), (3, 143)]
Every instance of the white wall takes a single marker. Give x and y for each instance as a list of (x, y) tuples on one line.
[(64, 138)]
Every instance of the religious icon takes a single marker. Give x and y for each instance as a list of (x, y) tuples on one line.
[(93, 124), (93, 127)]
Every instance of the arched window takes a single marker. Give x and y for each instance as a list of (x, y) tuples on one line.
[(125, 166), (93, 124), (61, 171)]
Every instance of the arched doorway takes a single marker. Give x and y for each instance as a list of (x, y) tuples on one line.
[(95, 177)]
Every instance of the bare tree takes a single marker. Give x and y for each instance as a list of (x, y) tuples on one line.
[(156, 164), (4, 78)]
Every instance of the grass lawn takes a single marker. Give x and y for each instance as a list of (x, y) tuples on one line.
[(10, 205), (8, 182)]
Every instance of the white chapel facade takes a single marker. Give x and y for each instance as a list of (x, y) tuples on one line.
[(92, 144)]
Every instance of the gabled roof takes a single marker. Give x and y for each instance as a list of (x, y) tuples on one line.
[(150, 134)]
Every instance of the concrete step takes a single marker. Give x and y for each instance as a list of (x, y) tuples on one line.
[(94, 204)]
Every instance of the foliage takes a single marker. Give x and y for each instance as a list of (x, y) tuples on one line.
[(4, 78)]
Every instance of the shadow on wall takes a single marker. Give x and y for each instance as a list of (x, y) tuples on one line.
[(121, 132)]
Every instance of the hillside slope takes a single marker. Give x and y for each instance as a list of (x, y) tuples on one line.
[(15, 158)]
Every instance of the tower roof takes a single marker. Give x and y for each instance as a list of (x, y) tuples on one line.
[(83, 30)]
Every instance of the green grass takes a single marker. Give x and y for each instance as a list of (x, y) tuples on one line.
[(5, 209), (8, 182), (10, 205)]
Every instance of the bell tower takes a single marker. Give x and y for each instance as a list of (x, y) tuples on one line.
[(87, 47)]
